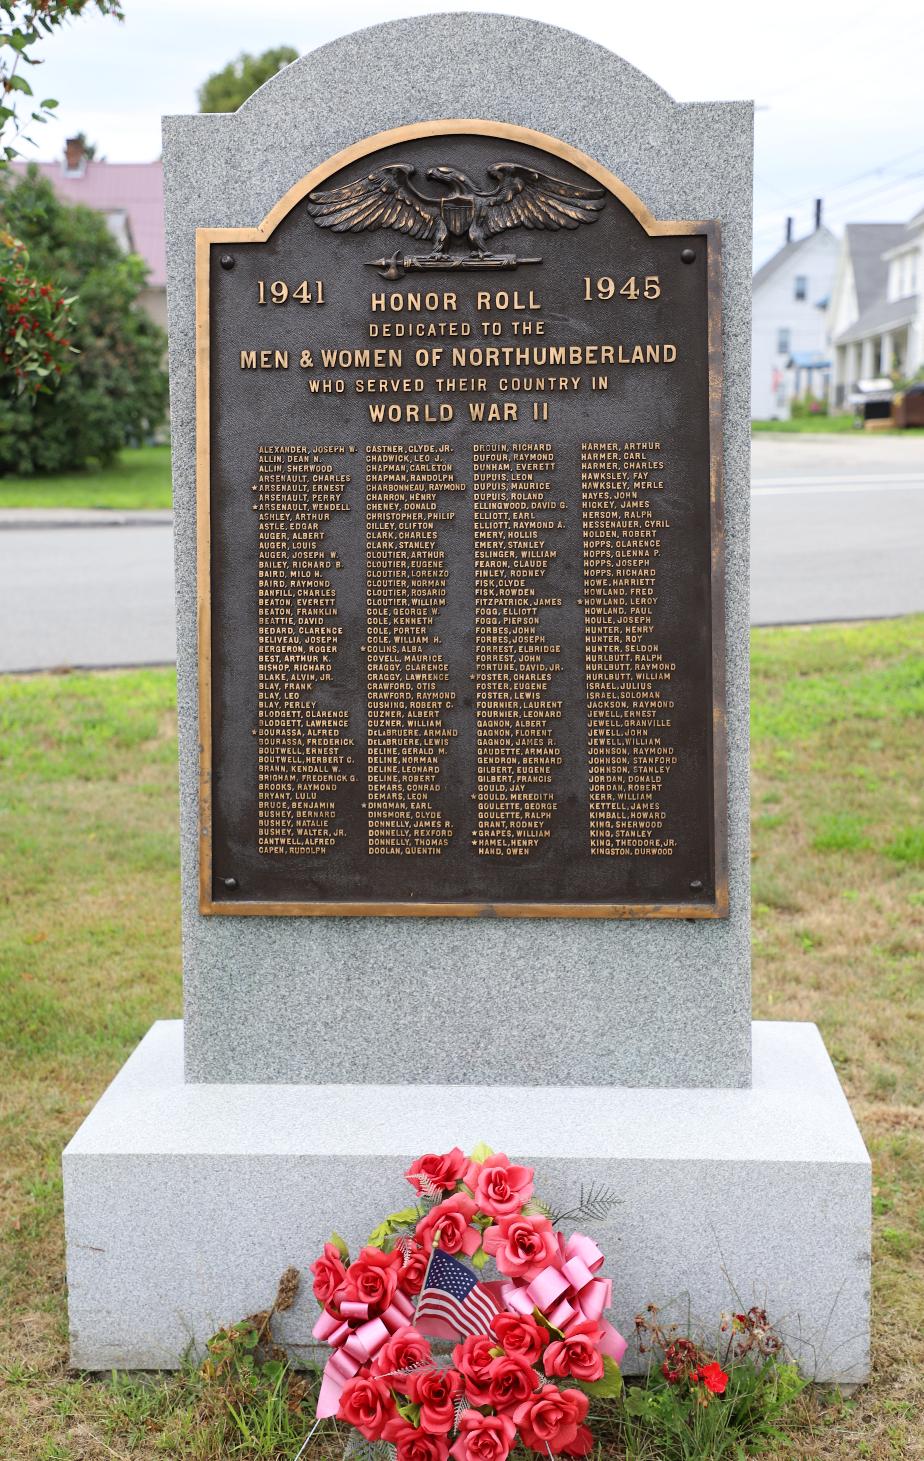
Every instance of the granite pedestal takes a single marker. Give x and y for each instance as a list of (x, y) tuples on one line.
[(187, 1202)]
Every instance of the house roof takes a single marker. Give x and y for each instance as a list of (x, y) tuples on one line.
[(134, 190), (883, 315), (786, 252), (866, 243), (908, 235)]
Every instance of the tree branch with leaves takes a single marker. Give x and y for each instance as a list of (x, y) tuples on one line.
[(35, 314), (23, 24)]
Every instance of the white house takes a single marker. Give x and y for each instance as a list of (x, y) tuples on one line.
[(876, 315), (789, 347)]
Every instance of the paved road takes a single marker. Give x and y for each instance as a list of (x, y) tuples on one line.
[(86, 596), (838, 533), (837, 528)]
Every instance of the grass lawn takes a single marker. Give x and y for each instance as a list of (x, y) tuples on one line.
[(89, 956), (139, 479), (815, 424)]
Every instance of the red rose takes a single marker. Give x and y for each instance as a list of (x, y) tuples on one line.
[(521, 1246), (414, 1444), (512, 1380), (577, 1354), (483, 1437), (329, 1273), (520, 1334), (473, 1359), (452, 1218), (407, 1349), (435, 1392), (411, 1275), (372, 1279), (551, 1420), (367, 1404), (500, 1188), (443, 1171), (713, 1377)]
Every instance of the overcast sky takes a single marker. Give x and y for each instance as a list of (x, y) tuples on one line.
[(838, 86)]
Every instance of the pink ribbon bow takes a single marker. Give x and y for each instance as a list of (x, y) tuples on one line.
[(355, 1340), (567, 1292)]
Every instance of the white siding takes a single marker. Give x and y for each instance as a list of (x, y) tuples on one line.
[(776, 308)]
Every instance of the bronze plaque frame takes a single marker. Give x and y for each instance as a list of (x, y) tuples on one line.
[(205, 238)]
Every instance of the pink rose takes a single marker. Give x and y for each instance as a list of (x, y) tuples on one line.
[(372, 1279), (414, 1444), (367, 1404), (551, 1421), (452, 1218), (520, 1334), (500, 1188), (577, 1354), (512, 1380), (411, 1274), (473, 1359), (483, 1437), (444, 1171), (522, 1246), (435, 1392), (329, 1273), (406, 1349)]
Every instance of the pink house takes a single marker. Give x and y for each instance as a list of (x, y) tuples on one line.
[(131, 196)]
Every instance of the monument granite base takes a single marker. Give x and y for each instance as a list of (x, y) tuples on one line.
[(184, 1203)]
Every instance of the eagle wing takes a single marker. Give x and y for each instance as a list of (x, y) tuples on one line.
[(525, 198), (385, 198)]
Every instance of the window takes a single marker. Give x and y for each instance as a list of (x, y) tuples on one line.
[(782, 342), (801, 287)]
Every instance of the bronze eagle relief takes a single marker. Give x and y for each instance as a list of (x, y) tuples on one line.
[(522, 197)]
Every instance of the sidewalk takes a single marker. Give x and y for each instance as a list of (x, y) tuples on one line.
[(82, 517)]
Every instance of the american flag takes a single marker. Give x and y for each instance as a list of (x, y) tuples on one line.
[(453, 1302)]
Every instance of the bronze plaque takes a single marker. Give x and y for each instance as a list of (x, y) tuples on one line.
[(461, 636)]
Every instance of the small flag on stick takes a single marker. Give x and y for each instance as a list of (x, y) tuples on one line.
[(452, 1302)]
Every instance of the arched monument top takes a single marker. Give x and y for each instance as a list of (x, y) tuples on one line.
[(477, 39)]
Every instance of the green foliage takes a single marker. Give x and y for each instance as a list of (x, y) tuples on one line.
[(481, 1152), (35, 322), (391, 1226), (250, 1391), (139, 477), (841, 422), (23, 23), (228, 89), (902, 382), (808, 686), (685, 1423), (606, 1388), (116, 392), (908, 845), (808, 406), (841, 832)]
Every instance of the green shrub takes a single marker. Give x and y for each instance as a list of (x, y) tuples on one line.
[(116, 392), (808, 405)]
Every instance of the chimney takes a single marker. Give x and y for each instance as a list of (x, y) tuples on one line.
[(817, 214), (789, 230), (74, 160)]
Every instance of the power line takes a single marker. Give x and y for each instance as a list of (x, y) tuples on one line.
[(857, 178), (896, 185)]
